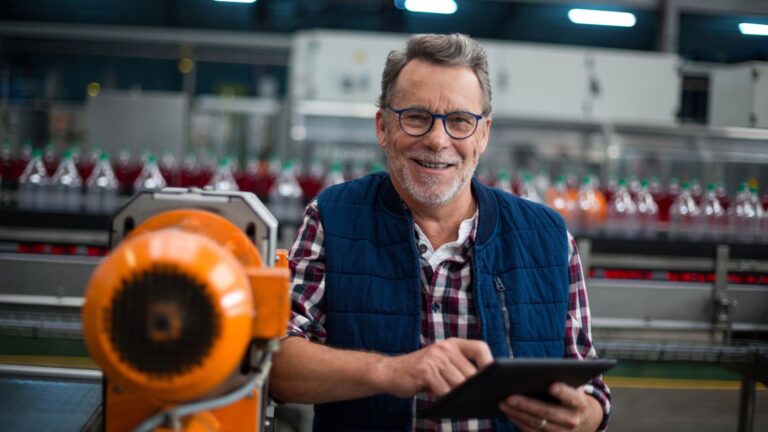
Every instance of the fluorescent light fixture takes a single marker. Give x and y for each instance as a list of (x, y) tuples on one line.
[(600, 17), (431, 6), (236, 1), (753, 29)]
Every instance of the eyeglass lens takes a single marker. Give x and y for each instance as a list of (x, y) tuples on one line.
[(419, 121)]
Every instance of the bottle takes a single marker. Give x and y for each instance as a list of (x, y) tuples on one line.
[(311, 180), (223, 178), (285, 198), (503, 181), (190, 171), (101, 187), (621, 215), (335, 176), (647, 211), (33, 184), (357, 171), (528, 189), (741, 216), (722, 195), (49, 158), (589, 208), (685, 216), (169, 169), (757, 205), (66, 185), (561, 201), (714, 223), (126, 172), (246, 181), (666, 200), (150, 177)]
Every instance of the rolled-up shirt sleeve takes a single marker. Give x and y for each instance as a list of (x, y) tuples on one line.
[(307, 263), (578, 334)]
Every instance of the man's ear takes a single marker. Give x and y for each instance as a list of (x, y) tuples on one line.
[(484, 130), (381, 128)]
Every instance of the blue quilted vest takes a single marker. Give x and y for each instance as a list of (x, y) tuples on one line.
[(372, 297)]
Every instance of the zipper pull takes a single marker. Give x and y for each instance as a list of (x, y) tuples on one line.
[(499, 284)]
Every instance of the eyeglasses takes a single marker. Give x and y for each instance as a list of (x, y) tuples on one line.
[(418, 122)]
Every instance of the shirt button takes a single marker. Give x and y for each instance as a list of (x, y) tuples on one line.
[(435, 307), (422, 249)]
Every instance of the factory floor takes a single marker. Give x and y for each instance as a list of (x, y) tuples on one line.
[(647, 396), (638, 409)]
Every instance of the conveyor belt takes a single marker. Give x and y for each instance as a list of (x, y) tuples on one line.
[(47, 399)]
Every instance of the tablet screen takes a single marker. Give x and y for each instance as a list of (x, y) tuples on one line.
[(479, 396)]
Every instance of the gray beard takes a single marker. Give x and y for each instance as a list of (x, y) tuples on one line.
[(426, 191)]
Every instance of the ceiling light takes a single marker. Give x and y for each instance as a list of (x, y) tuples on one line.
[(599, 17), (753, 29), (237, 1), (431, 6)]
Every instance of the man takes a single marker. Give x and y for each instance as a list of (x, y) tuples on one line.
[(406, 284)]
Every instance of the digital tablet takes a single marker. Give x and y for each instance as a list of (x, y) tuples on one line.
[(479, 396)]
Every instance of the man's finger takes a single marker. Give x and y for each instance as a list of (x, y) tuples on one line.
[(475, 350), (568, 395)]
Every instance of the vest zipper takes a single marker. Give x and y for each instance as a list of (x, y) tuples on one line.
[(501, 292)]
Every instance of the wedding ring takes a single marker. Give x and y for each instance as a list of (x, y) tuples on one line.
[(542, 424)]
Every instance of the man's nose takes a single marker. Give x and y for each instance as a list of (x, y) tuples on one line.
[(437, 138)]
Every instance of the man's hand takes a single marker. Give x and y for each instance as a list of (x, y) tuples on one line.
[(577, 411), (435, 369)]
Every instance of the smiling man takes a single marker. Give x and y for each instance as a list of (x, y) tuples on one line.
[(404, 285)]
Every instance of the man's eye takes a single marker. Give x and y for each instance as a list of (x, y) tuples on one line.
[(460, 120), (416, 117)]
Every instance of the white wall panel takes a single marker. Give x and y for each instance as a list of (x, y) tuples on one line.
[(340, 66), (634, 87), (738, 95), (537, 81)]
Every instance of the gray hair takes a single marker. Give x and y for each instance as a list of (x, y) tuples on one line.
[(446, 50)]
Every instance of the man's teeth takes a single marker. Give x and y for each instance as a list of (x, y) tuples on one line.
[(433, 165)]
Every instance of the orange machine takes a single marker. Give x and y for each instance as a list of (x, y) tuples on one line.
[(183, 314)]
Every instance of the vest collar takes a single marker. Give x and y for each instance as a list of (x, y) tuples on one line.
[(486, 204)]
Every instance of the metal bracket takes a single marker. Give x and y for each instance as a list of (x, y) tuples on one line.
[(722, 310)]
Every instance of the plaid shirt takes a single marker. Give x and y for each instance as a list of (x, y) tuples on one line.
[(448, 304)]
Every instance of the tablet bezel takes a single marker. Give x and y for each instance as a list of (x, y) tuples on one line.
[(478, 396)]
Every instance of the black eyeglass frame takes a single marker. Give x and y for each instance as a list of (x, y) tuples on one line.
[(442, 117)]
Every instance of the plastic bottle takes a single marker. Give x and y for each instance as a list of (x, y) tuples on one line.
[(357, 171), (335, 176), (685, 216), (503, 181), (621, 215), (647, 211), (528, 189), (169, 169), (101, 187), (49, 158), (66, 185), (311, 180), (722, 195), (714, 222), (741, 216), (754, 200), (223, 178), (150, 177), (285, 198), (561, 201), (666, 200), (33, 184), (589, 207)]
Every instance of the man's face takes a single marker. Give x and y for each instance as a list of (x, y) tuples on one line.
[(434, 168)]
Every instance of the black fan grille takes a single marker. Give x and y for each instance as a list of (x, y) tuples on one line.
[(162, 322)]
